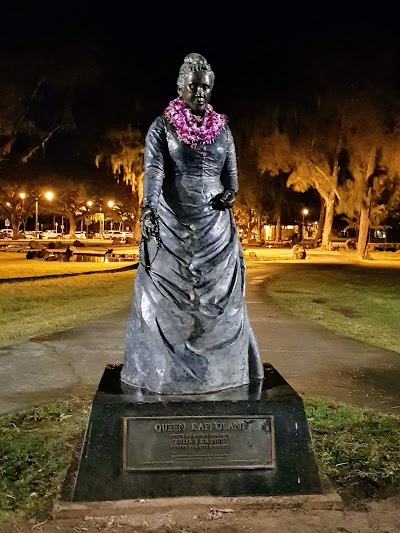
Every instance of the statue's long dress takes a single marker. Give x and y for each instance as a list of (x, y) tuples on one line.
[(189, 331)]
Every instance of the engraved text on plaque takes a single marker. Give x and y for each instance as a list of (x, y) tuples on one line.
[(189, 443)]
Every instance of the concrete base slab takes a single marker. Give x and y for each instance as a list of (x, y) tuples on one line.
[(197, 505), (130, 452)]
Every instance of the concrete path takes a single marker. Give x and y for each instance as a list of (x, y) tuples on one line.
[(315, 362)]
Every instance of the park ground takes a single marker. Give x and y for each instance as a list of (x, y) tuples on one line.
[(228, 515)]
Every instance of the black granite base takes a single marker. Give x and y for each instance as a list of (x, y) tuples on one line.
[(251, 440)]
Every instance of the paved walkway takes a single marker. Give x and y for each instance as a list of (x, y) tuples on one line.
[(315, 362)]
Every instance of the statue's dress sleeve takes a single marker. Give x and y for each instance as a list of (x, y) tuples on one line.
[(154, 162), (229, 174)]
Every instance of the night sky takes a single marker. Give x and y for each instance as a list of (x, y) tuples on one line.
[(259, 54)]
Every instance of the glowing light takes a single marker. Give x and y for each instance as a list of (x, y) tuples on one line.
[(305, 213)]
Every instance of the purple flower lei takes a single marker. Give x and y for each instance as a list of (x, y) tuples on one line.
[(186, 126)]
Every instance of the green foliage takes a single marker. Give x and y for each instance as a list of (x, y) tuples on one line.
[(274, 153), (122, 151), (36, 449), (358, 449)]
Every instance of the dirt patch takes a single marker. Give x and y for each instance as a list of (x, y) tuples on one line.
[(376, 517), (348, 312), (319, 300)]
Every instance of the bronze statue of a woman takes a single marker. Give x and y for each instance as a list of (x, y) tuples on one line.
[(189, 331)]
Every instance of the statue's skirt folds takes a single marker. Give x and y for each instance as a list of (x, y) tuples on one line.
[(189, 331)]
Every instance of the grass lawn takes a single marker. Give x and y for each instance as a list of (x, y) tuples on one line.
[(42, 306), (15, 265), (359, 301)]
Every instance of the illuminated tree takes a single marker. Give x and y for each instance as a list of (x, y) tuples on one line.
[(274, 156), (317, 154), (372, 140), (71, 202), (121, 151), (20, 187), (16, 204), (248, 206)]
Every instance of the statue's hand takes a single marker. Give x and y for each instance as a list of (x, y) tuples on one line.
[(228, 198), (148, 223)]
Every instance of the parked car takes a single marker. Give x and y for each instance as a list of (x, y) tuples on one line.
[(33, 234), (6, 233), (51, 234), (115, 234), (78, 235), (110, 234)]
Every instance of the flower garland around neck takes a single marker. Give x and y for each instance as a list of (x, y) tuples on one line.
[(187, 128)]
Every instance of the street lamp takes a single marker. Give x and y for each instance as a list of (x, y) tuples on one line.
[(89, 204), (49, 196), (304, 213), (22, 195), (110, 204)]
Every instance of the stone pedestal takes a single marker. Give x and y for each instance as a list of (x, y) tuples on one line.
[(251, 440)]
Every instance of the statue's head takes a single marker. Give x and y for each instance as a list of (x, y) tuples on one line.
[(195, 82)]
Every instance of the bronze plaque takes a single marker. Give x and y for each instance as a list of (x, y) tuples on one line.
[(198, 443)]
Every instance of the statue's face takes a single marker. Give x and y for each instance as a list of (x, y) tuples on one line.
[(196, 91)]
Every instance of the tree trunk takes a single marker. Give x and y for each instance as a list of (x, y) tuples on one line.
[(72, 224), (260, 232), (15, 223), (279, 202), (366, 208), (321, 222), (249, 227), (364, 226), (329, 214), (279, 228), (137, 230)]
